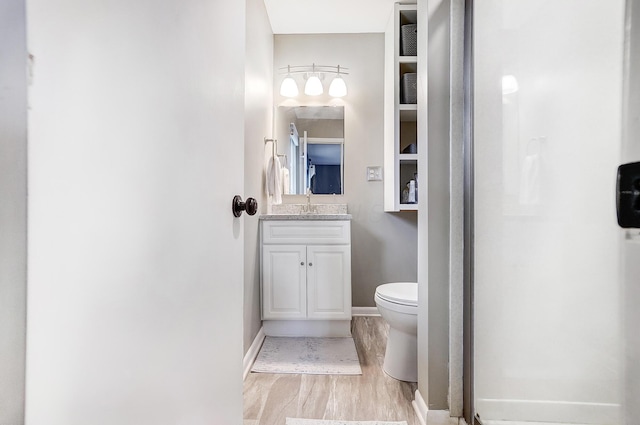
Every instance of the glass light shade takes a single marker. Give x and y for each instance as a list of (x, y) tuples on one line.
[(509, 84), (313, 87), (337, 88), (289, 88)]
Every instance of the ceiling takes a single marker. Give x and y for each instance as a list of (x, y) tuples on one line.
[(328, 16)]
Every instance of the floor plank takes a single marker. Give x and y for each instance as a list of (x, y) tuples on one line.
[(270, 398)]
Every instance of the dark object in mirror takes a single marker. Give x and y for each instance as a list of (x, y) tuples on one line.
[(410, 149)]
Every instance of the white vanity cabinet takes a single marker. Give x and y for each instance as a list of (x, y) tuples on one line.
[(284, 282), (306, 277)]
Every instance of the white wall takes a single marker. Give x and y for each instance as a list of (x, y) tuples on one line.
[(383, 244), (546, 293), (13, 209), (135, 285), (631, 248), (258, 124)]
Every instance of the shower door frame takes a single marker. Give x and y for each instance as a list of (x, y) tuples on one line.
[(468, 252)]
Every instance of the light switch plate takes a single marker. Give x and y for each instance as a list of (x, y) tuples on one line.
[(374, 173)]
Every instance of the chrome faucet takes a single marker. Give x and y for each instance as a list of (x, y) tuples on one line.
[(308, 207)]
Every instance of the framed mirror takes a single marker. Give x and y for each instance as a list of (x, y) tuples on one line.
[(311, 147)]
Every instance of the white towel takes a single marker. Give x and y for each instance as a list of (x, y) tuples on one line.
[(530, 180), (273, 183), (277, 183), (284, 179), (268, 157)]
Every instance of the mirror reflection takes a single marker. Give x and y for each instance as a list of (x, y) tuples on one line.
[(311, 140)]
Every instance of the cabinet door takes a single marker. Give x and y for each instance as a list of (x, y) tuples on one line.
[(284, 290), (329, 282)]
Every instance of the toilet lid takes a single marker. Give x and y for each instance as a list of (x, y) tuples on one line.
[(405, 293)]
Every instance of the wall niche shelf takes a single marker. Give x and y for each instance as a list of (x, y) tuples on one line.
[(401, 109)]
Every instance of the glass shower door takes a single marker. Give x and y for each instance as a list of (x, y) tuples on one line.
[(547, 277)]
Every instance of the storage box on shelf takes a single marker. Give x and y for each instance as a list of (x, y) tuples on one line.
[(409, 37), (409, 88)]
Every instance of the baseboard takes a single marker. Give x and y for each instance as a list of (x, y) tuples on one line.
[(308, 328), (365, 311), (420, 407), (252, 353), (433, 417), (555, 412)]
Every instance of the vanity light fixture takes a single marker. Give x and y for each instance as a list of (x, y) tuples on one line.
[(313, 86), (289, 88), (313, 74), (338, 88)]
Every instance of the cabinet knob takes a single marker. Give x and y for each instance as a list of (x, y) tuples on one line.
[(310, 264), (302, 263)]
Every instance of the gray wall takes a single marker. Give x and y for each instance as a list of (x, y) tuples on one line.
[(456, 248), (433, 272), (13, 209), (383, 244), (258, 123), (438, 211)]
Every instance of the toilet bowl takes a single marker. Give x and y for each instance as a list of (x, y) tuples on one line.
[(398, 305)]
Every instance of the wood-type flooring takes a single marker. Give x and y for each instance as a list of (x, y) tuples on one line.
[(372, 396)]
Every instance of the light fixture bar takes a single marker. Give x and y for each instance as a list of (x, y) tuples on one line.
[(305, 69)]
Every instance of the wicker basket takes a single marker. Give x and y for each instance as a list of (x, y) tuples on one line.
[(409, 88), (409, 37)]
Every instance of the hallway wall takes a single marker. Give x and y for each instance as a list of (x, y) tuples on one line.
[(434, 220), (13, 209), (258, 125)]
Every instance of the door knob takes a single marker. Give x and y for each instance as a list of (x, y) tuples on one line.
[(250, 206)]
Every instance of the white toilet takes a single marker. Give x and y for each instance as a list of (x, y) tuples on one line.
[(398, 305)]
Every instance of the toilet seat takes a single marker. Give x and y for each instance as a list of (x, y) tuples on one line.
[(401, 297), (403, 293)]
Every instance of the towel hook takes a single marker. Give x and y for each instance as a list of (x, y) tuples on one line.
[(274, 146)]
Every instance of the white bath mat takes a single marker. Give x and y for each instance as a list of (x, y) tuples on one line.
[(292, 421), (316, 356)]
